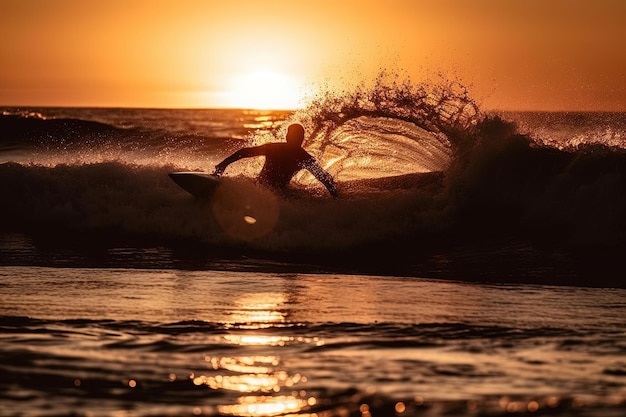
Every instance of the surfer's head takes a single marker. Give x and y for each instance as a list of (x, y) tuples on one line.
[(295, 134)]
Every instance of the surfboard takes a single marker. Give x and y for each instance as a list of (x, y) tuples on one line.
[(198, 184)]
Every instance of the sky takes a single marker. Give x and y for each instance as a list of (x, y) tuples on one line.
[(511, 54)]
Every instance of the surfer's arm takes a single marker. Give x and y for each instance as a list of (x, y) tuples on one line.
[(240, 154), (322, 176)]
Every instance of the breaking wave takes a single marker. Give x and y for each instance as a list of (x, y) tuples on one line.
[(427, 181)]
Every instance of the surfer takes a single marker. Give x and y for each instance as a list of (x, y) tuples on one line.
[(282, 162)]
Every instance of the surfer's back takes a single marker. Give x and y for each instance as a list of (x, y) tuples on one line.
[(282, 162)]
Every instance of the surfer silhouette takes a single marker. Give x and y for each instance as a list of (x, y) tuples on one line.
[(282, 161)]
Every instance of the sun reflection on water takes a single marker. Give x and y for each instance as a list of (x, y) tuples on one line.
[(264, 406), (266, 388), (255, 374), (260, 310), (250, 364)]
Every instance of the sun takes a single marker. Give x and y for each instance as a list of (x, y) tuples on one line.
[(265, 90)]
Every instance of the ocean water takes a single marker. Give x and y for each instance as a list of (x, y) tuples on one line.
[(471, 265), (110, 341)]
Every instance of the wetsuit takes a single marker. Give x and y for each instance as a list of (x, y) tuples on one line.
[(282, 162)]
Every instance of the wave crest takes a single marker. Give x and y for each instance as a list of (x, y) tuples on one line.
[(436, 107), (394, 127)]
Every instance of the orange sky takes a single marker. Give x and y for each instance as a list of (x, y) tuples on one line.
[(514, 54)]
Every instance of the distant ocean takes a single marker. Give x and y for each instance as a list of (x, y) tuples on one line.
[(472, 264)]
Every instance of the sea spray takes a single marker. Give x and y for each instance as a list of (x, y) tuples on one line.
[(393, 127)]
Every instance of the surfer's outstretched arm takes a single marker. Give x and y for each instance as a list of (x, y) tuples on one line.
[(240, 154), (322, 176)]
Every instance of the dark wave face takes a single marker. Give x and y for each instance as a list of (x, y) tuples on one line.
[(429, 185)]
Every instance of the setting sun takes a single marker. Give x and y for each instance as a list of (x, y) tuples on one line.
[(264, 90)]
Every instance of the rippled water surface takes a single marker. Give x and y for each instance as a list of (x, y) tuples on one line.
[(169, 342)]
